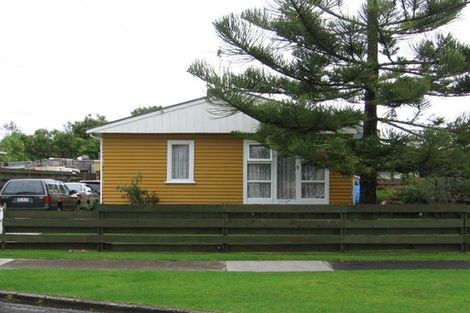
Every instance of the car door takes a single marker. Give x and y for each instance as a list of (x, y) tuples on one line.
[(69, 201)]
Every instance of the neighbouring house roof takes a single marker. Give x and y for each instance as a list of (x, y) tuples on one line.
[(194, 116)]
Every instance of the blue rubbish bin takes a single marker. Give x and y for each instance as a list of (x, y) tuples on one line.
[(357, 190)]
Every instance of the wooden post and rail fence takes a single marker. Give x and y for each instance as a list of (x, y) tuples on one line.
[(227, 228)]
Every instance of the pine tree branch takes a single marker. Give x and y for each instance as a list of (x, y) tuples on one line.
[(405, 12), (407, 62), (401, 127), (311, 31), (423, 17), (402, 71), (409, 30), (388, 54), (445, 94), (388, 120), (340, 17)]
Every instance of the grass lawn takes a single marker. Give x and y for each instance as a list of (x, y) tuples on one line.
[(349, 256), (356, 291)]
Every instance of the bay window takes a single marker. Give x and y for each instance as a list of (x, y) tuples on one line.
[(272, 178)]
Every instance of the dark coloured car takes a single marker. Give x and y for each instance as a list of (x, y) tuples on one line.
[(37, 194)]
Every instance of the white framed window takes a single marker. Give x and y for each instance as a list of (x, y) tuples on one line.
[(271, 178), (180, 162), (258, 171)]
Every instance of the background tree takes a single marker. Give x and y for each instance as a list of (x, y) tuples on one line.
[(39, 144), (79, 128), (9, 128), (143, 110), (86, 145), (71, 142), (309, 57), (14, 146)]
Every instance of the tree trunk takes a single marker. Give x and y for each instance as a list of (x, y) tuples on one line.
[(369, 180)]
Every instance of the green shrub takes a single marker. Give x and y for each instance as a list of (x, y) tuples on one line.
[(387, 194), (88, 207), (137, 195), (415, 193)]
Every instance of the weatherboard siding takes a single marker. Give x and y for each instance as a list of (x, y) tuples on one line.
[(218, 168), (341, 189)]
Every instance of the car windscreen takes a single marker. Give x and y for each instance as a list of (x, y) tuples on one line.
[(74, 186), (94, 186), (23, 187)]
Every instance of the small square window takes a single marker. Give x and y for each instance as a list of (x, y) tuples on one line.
[(180, 162)]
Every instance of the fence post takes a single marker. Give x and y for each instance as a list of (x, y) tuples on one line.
[(464, 232), (225, 229), (341, 231), (100, 231), (2, 214)]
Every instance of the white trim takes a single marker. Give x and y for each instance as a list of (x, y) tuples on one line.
[(273, 199), (101, 169), (199, 116), (169, 179)]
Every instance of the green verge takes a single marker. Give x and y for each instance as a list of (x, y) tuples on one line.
[(333, 292), (350, 256)]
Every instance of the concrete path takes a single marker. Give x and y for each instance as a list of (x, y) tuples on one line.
[(22, 308), (277, 266), (228, 266), (219, 266)]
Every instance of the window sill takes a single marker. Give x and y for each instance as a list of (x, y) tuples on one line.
[(180, 182)]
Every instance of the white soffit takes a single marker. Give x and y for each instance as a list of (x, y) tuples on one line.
[(195, 116)]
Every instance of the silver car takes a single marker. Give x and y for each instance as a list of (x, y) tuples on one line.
[(85, 193)]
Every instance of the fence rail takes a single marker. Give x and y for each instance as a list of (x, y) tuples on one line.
[(241, 228)]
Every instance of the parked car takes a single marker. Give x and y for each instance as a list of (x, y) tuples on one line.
[(93, 184), (37, 194), (85, 193)]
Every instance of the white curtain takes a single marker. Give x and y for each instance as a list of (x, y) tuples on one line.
[(310, 189), (180, 162), (309, 172), (259, 152), (259, 190), (313, 190), (286, 178), (259, 172)]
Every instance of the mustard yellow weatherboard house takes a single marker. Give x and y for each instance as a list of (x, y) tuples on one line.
[(188, 155)]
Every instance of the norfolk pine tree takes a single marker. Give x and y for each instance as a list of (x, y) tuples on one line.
[(309, 57)]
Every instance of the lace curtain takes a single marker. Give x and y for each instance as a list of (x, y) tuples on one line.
[(180, 162)]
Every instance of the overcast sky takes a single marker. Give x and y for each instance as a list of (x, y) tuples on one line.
[(63, 59)]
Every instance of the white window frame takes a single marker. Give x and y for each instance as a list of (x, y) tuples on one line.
[(273, 199), (248, 160), (190, 179)]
